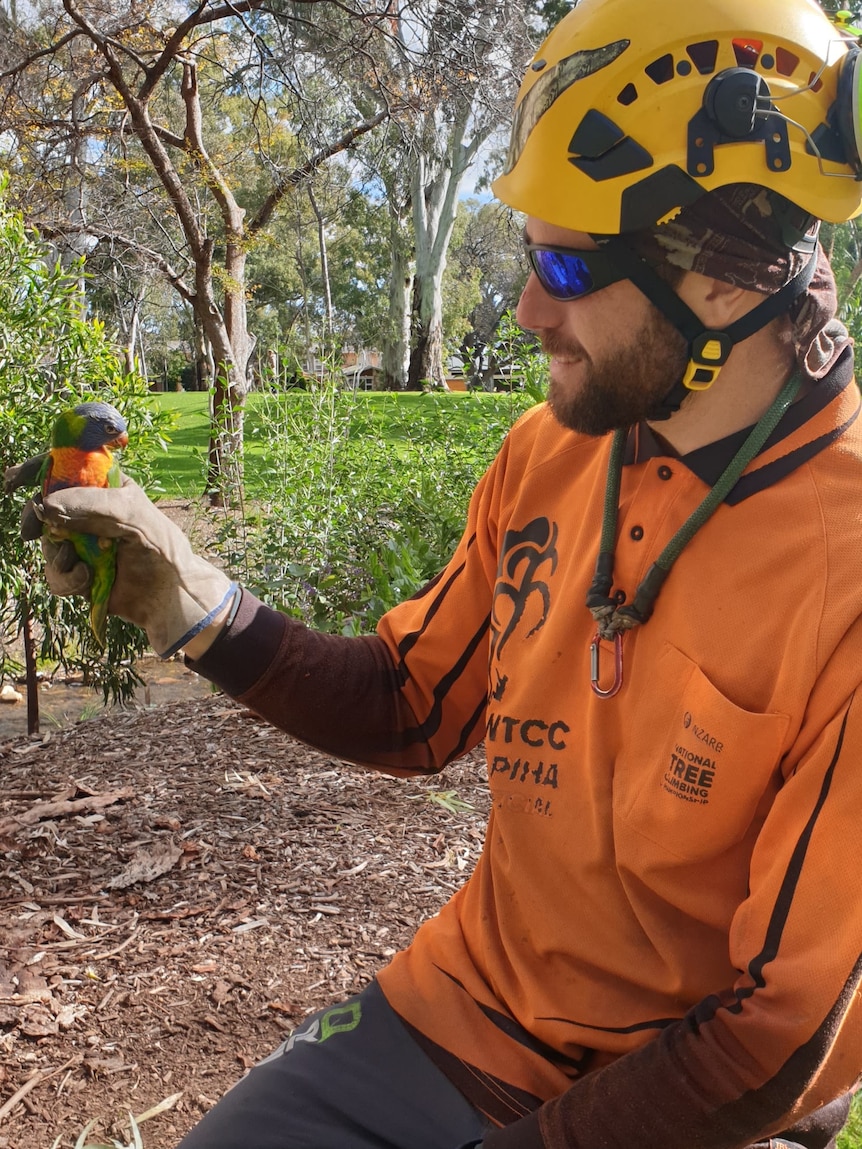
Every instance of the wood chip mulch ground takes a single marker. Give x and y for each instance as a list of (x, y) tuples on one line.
[(179, 887)]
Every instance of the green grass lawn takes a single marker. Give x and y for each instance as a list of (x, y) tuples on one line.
[(180, 471), (351, 501), (387, 416)]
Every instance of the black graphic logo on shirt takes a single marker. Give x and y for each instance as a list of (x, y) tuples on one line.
[(691, 771), (521, 597), (689, 776)]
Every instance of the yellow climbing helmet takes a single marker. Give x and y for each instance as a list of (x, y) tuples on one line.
[(630, 110)]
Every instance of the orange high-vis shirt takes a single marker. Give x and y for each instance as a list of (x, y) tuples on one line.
[(694, 842), (661, 944)]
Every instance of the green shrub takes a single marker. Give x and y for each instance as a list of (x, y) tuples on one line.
[(354, 501), (52, 358)]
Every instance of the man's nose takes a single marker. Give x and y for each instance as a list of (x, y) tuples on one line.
[(537, 309)]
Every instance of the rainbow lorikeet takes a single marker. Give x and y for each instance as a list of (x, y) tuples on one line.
[(81, 455)]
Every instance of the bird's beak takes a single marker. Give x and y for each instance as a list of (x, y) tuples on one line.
[(121, 440)]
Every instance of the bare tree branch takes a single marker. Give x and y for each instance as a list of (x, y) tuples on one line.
[(154, 258), (265, 213)]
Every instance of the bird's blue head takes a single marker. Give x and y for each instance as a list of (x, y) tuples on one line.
[(90, 427)]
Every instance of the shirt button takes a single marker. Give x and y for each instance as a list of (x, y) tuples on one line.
[(620, 597), (664, 472), (637, 533)]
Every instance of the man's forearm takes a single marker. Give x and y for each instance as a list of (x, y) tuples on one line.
[(339, 694)]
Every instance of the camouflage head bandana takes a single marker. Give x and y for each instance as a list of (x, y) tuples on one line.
[(733, 234)]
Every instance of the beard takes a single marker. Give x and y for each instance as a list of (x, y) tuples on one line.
[(624, 386)]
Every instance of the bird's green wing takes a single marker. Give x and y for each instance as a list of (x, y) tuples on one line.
[(104, 569), (29, 473), (99, 619), (115, 476)]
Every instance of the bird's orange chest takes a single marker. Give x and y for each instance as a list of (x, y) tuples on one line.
[(80, 468)]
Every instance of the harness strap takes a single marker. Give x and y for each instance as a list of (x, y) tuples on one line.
[(708, 348), (611, 618)]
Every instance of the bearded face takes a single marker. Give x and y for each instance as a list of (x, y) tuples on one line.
[(619, 384)]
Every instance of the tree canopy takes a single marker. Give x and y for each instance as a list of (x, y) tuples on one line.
[(289, 171)]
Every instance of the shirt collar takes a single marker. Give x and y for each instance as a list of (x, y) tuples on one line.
[(709, 462)]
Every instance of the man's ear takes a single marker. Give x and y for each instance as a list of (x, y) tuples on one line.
[(716, 303)]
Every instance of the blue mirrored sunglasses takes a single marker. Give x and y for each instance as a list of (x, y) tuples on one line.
[(568, 272)]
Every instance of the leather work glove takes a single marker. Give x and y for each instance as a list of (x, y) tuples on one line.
[(161, 585)]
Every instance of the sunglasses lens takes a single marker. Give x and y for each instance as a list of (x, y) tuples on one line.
[(562, 274)]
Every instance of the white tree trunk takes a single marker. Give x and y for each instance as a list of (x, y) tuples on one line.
[(395, 351), (437, 179)]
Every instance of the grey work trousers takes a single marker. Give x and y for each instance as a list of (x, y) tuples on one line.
[(349, 1077)]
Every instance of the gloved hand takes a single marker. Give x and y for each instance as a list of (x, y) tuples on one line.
[(161, 585)]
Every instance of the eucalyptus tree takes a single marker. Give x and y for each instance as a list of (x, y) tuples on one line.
[(124, 88), (452, 67), (463, 92)]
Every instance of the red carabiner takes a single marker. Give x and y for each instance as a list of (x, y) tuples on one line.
[(618, 666)]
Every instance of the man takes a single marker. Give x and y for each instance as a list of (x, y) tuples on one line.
[(653, 619)]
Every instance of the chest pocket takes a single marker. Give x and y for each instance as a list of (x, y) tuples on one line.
[(710, 764)]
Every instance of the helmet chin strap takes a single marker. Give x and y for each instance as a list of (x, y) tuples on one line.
[(708, 349)]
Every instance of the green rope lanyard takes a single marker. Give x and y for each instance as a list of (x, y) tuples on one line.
[(612, 619)]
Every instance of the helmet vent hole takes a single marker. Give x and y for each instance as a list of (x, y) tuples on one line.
[(628, 95), (816, 84), (747, 52), (661, 70), (703, 55), (785, 62)]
